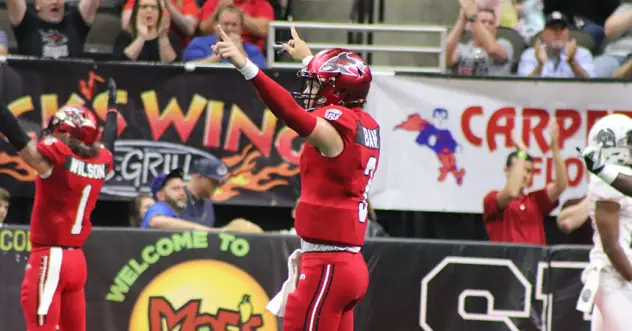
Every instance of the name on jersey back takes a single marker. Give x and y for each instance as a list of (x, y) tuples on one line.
[(84, 169)]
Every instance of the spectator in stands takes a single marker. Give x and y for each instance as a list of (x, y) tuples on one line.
[(483, 55), (139, 207), (557, 57), (168, 190), (207, 176), (231, 19), (574, 220), (4, 204), (510, 215), (532, 19), (50, 31), (616, 61), (257, 16), (588, 16), (4, 44), (183, 15), (147, 37)]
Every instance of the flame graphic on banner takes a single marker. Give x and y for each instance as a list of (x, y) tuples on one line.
[(16, 167), (87, 88), (243, 167)]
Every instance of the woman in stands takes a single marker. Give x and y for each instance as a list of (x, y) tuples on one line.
[(147, 37)]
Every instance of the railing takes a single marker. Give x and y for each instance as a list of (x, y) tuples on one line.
[(272, 47)]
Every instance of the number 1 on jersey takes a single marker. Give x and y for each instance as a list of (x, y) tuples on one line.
[(363, 207), (85, 194)]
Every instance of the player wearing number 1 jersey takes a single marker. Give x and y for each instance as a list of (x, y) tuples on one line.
[(72, 165), (337, 165)]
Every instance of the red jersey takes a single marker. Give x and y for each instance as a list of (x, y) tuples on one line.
[(333, 207), (65, 198), (522, 221)]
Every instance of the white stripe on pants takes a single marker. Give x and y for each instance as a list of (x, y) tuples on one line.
[(49, 280), (613, 303)]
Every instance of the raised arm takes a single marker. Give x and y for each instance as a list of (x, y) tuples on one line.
[(25, 147), (110, 130), (88, 10), (17, 10), (317, 131)]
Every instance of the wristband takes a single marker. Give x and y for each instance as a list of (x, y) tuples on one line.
[(307, 60), (608, 173), (522, 155), (249, 70)]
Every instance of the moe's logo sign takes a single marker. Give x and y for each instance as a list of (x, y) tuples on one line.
[(195, 295), (202, 295)]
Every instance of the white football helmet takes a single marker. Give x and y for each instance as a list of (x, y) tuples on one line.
[(613, 134)]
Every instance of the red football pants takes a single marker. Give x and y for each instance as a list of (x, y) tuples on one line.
[(53, 290), (329, 287)]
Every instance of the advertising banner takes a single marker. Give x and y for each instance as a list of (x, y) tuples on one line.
[(146, 280), (447, 137), (169, 117)]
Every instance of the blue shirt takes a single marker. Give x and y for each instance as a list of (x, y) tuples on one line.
[(200, 48), (157, 209), (200, 211)]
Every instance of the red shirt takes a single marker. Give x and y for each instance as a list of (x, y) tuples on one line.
[(332, 207), (522, 221), (252, 8), (66, 197)]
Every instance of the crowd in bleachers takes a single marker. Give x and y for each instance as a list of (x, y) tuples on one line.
[(542, 38), (150, 30)]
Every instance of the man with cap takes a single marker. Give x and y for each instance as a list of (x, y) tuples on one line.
[(553, 55), (169, 192), (207, 175)]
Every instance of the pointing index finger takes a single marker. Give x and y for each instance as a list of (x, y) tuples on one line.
[(294, 33), (222, 33)]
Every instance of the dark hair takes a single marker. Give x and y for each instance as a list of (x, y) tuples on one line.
[(487, 10), (513, 155), (133, 18), (134, 218), (231, 8), (4, 195)]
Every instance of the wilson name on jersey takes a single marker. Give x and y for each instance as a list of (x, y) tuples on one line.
[(65, 197), (87, 170)]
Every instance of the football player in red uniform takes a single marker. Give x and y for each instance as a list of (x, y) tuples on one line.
[(337, 166), (72, 165)]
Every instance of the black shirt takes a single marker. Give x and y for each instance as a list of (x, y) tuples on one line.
[(150, 51), (36, 37)]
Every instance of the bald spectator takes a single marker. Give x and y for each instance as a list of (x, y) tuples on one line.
[(257, 17), (50, 30)]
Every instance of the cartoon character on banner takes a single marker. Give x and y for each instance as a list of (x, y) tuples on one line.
[(438, 138)]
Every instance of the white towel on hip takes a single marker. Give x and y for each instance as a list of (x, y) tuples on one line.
[(277, 304)]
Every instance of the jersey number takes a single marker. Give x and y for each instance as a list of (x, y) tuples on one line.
[(85, 194), (363, 207)]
